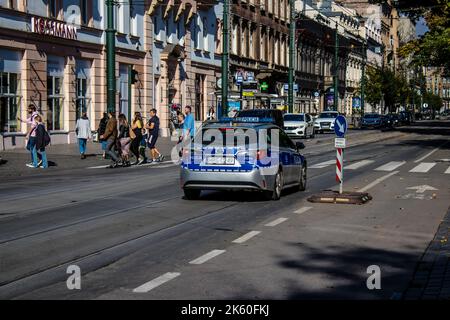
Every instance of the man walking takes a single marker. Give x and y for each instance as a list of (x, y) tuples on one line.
[(110, 137), (83, 130), (153, 134), (188, 125)]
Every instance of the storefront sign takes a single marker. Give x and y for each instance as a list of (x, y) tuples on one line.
[(356, 102), (53, 28)]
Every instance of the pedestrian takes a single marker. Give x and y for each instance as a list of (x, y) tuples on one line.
[(101, 131), (31, 133), (137, 126), (211, 114), (188, 125), (110, 136), (124, 140), (153, 134), (83, 130), (179, 146), (42, 139)]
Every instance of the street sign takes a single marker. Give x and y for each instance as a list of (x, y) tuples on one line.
[(286, 87), (219, 83), (340, 143), (425, 105), (340, 126), (316, 94)]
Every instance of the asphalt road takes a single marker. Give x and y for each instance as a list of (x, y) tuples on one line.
[(131, 229)]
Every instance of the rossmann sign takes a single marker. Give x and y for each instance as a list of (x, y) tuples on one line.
[(53, 28)]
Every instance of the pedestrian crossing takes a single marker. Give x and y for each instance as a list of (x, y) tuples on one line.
[(423, 167)]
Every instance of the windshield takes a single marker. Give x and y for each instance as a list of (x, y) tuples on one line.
[(294, 117), (328, 115), (371, 116)]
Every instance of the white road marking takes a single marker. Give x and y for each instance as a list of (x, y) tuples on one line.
[(302, 210), (424, 167), (377, 181), (276, 222), (322, 164), (153, 164), (448, 171), (422, 189), (206, 257), (146, 287), (99, 167), (247, 237), (359, 164), (430, 153), (391, 166)]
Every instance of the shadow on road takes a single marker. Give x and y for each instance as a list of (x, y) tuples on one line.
[(428, 127), (341, 272)]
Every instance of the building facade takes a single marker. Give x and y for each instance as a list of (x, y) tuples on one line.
[(52, 56)]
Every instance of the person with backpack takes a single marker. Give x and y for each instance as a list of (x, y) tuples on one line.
[(83, 130), (153, 134), (125, 135), (136, 126), (110, 136), (101, 131), (42, 140), (31, 133)]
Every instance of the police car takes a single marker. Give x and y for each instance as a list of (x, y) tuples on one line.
[(247, 154)]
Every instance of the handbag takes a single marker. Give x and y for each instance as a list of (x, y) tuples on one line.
[(132, 134)]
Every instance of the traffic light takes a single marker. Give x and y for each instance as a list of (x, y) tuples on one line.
[(134, 76)]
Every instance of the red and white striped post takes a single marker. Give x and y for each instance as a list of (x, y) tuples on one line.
[(340, 168)]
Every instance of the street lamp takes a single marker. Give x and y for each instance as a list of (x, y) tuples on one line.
[(111, 58)]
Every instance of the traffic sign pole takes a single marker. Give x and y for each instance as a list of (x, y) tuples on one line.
[(340, 168)]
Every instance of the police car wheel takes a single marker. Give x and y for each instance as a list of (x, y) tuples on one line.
[(275, 194), (302, 179), (192, 194)]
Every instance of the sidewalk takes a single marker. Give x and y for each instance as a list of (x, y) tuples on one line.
[(432, 275), (64, 157)]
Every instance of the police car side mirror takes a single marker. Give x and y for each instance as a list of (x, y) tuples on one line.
[(300, 146)]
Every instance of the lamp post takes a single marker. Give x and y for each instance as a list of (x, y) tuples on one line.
[(225, 36), (336, 69), (111, 58), (292, 22), (363, 78)]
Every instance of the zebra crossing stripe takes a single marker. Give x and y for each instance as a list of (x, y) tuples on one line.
[(359, 164), (322, 164), (448, 171), (424, 167), (391, 166)]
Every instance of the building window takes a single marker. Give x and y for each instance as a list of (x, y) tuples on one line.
[(84, 12), (83, 101), (55, 114), (9, 102), (53, 8)]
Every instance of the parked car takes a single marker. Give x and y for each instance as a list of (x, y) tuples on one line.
[(406, 118), (275, 116), (298, 125), (325, 121), (372, 120), (391, 121)]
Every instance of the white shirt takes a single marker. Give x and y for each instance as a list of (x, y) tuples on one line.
[(84, 129)]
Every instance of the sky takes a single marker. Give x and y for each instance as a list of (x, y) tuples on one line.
[(421, 27)]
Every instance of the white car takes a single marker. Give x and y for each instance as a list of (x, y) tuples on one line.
[(298, 125), (325, 121)]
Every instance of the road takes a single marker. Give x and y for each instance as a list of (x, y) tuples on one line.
[(135, 237)]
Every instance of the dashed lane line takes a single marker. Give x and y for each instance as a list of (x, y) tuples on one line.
[(146, 287), (206, 257), (246, 237), (276, 222), (302, 210), (377, 181)]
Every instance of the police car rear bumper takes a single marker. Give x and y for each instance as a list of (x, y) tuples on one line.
[(207, 180)]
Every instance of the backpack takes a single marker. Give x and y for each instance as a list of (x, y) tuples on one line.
[(47, 139)]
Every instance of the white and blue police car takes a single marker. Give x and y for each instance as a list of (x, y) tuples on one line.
[(246, 154)]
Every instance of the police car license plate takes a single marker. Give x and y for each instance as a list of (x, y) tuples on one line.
[(220, 160)]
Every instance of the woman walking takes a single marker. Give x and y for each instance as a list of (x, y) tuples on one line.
[(42, 140), (124, 140), (83, 130), (101, 131), (137, 126), (211, 114)]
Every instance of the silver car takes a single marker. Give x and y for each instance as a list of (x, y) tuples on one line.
[(325, 121), (242, 165), (299, 125)]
